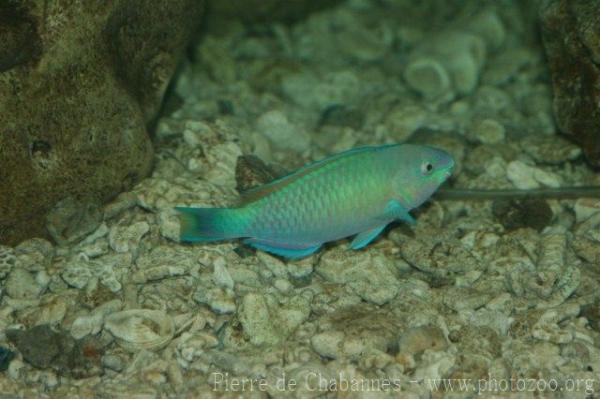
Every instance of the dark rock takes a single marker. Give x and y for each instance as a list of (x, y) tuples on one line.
[(43, 347), (339, 115), (571, 35), (6, 356), (40, 345), (78, 86), (251, 171), (515, 214)]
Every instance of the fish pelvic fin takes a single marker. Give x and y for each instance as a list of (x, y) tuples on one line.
[(211, 224)]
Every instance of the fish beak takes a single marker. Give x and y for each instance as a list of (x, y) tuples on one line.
[(450, 169)]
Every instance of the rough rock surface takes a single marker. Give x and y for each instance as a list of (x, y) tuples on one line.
[(78, 86), (571, 33), (470, 301)]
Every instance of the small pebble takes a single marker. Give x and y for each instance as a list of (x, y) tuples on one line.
[(281, 132), (20, 284), (585, 208), (416, 340), (328, 343), (282, 285), (526, 177), (549, 149), (221, 275), (113, 362), (488, 131), (124, 238)]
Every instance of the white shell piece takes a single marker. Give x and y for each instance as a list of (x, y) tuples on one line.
[(137, 329)]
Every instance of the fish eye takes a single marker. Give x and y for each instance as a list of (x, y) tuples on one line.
[(426, 168)]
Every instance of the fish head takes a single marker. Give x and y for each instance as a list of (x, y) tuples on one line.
[(422, 171)]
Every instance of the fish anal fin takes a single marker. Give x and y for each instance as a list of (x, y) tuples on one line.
[(286, 252), (364, 238)]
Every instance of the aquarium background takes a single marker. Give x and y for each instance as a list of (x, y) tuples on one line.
[(113, 114)]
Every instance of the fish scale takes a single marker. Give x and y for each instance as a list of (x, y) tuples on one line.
[(355, 192)]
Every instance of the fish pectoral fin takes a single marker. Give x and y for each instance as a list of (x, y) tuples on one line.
[(395, 210), (282, 250), (364, 238)]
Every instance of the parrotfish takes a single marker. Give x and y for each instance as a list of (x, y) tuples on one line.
[(356, 192)]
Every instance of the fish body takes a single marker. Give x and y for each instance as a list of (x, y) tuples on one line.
[(359, 191)]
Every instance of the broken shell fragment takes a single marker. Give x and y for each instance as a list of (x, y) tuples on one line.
[(137, 329)]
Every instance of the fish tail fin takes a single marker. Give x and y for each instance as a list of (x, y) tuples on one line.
[(210, 224)]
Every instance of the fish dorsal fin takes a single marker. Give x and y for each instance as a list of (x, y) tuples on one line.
[(254, 194)]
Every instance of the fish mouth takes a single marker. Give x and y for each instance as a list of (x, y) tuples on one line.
[(449, 169)]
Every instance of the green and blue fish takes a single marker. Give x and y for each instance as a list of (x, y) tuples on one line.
[(357, 192)]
